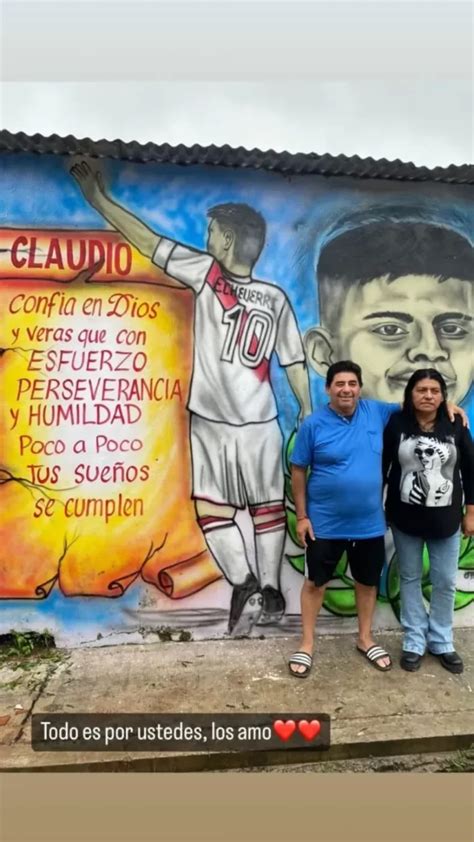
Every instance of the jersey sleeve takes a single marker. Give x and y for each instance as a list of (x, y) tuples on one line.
[(184, 264), (288, 345), (303, 449)]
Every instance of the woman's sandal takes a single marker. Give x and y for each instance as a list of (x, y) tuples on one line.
[(301, 659)]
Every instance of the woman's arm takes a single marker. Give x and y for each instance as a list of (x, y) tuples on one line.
[(389, 443), (466, 464)]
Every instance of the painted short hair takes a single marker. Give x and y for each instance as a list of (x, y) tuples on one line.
[(392, 250), (247, 224)]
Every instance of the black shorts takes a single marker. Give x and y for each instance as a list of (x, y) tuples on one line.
[(365, 556)]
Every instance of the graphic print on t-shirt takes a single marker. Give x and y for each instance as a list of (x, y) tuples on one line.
[(427, 468)]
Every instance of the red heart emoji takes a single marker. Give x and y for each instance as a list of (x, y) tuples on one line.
[(309, 730), (284, 730)]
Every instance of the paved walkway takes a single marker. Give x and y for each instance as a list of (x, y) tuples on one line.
[(372, 713)]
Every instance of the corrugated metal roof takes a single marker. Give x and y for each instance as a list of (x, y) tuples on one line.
[(227, 156)]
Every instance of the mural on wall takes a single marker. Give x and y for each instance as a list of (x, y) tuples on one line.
[(163, 333), (394, 296)]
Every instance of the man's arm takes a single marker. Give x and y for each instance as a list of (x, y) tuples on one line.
[(298, 485), (453, 410), (135, 231), (297, 374), (468, 522)]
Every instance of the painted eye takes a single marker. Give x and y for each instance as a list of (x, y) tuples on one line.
[(452, 330), (390, 331)]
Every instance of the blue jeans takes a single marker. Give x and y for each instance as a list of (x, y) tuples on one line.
[(422, 630)]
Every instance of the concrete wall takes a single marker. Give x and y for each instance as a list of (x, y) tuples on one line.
[(99, 540)]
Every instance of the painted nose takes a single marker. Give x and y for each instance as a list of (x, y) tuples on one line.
[(426, 348)]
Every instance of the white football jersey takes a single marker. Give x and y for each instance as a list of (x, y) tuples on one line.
[(238, 323)]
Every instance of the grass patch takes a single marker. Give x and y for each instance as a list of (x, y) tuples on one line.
[(17, 644), (463, 761), (24, 650)]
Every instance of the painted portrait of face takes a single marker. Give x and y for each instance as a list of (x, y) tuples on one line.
[(396, 297)]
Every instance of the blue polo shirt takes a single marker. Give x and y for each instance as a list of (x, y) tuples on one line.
[(344, 489)]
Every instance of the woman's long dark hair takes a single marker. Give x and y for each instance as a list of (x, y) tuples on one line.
[(442, 417)]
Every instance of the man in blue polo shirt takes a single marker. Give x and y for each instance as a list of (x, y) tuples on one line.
[(339, 508)]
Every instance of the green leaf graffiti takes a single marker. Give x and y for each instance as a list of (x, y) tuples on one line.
[(466, 555), (296, 561), (288, 488), (463, 599), (289, 450), (340, 601), (291, 523), (341, 568)]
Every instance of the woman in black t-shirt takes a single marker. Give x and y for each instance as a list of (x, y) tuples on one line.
[(429, 470)]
